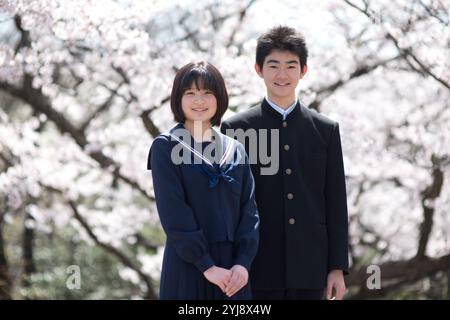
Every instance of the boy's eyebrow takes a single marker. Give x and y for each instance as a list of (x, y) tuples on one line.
[(278, 62)]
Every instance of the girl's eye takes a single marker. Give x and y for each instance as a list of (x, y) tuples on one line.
[(189, 93), (208, 92)]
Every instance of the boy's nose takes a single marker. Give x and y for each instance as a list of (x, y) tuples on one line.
[(282, 73)]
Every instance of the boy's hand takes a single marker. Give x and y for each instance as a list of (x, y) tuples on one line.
[(238, 280), (335, 280), (218, 276)]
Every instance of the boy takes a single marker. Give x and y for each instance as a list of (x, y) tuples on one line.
[(303, 208)]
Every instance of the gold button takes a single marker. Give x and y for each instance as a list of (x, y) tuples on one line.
[(291, 221), (286, 147), (288, 171), (284, 124), (290, 196)]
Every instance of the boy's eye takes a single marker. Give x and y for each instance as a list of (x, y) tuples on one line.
[(273, 67)]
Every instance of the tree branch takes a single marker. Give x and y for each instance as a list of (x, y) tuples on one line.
[(145, 115), (28, 264), (326, 91), (435, 14), (406, 271), (143, 241), (150, 294), (429, 194), (405, 51), (149, 124), (39, 102), (104, 106), (117, 253), (24, 41), (242, 15), (5, 280)]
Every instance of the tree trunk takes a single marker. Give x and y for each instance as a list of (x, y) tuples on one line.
[(5, 281), (28, 250)]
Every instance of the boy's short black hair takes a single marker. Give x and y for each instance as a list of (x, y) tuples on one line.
[(284, 39), (205, 76)]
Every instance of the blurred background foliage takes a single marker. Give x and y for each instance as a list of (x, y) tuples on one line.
[(84, 89)]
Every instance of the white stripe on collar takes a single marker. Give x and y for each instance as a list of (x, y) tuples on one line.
[(195, 152), (228, 150)]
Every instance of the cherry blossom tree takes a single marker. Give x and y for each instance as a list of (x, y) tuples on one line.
[(84, 89)]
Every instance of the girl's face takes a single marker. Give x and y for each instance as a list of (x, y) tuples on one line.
[(198, 104)]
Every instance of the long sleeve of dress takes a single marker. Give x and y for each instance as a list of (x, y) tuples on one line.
[(177, 218)]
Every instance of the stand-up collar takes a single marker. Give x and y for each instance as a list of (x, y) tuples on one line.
[(267, 108)]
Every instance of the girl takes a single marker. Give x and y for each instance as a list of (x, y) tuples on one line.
[(204, 193)]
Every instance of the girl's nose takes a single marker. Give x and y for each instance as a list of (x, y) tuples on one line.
[(199, 98)]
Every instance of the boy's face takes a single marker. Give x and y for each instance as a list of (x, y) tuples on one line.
[(281, 72), (198, 104)]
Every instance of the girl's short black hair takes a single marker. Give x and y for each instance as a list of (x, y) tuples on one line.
[(284, 39), (205, 76)]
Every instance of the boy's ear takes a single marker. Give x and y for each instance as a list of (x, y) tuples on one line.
[(305, 69), (258, 70)]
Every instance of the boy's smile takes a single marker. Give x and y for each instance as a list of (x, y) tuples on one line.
[(281, 72)]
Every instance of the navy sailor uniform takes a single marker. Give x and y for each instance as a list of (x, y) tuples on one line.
[(207, 209)]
